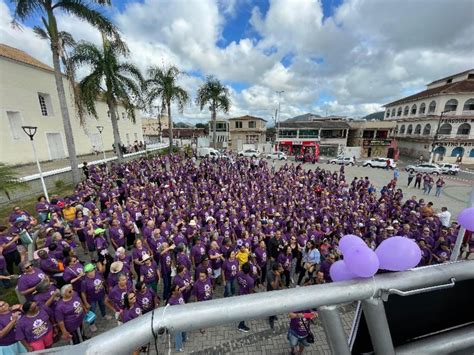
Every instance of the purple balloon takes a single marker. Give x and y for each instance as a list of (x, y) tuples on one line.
[(398, 254), (350, 241), (340, 272), (362, 261), (466, 218)]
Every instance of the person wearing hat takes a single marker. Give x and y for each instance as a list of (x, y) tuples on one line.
[(138, 251), (93, 292), (149, 272), (34, 329), (116, 269), (100, 241)]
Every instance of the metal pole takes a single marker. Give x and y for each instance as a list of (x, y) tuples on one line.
[(462, 231), (377, 323), (198, 315), (45, 191), (333, 329), (103, 152), (436, 137)]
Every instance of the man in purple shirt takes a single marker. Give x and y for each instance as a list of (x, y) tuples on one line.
[(246, 285), (202, 289)]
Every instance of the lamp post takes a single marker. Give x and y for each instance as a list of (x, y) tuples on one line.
[(277, 117), (100, 129), (30, 132), (435, 137)]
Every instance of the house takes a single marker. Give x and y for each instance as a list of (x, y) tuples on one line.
[(249, 130), (222, 133)]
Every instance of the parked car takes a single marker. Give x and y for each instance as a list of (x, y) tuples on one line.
[(425, 168), (379, 163), (251, 153), (451, 169), (276, 155), (342, 161)]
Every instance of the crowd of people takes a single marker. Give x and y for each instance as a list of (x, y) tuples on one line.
[(170, 230)]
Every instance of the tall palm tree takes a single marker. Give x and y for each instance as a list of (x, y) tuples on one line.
[(162, 85), (9, 180), (216, 95), (47, 10), (115, 81)]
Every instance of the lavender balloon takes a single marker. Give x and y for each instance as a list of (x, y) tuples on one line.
[(350, 241), (362, 261), (398, 254), (466, 218), (340, 272)]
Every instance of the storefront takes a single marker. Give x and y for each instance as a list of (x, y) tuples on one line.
[(298, 148)]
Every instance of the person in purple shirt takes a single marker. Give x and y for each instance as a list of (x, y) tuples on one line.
[(34, 329), (261, 260), (8, 320), (146, 298), (246, 285), (70, 313), (100, 240), (285, 258), (197, 252), (8, 243), (149, 272), (93, 292), (29, 279), (182, 258), (73, 272), (49, 265), (138, 252), (165, 268), (80, 224), (184, 281), (114, 299), (47, 295), (116, 234), (230, 269), (176, 298), (132, 309), (202, 289), (298, 330)]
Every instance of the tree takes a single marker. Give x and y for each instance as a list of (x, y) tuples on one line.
[(46, 10), (9, 180), (162, 85), (216, 95), (114, 81)]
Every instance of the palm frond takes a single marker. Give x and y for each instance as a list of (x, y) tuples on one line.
[(40, 32)]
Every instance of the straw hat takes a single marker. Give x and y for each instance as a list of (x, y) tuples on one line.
[(116, 267), (192, 223), (146, 257)]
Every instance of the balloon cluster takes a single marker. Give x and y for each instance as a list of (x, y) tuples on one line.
[(466, 218), (393, 254)]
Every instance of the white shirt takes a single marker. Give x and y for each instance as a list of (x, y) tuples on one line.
[(444, 218)]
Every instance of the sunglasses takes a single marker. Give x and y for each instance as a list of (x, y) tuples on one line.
[(27, 267)]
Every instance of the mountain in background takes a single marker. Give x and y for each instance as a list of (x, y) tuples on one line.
[(304, 118), (375, 116)]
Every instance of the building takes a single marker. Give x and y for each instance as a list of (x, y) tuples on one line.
[(330, 134), (222, 133), (28, 97), (246, 130), (373, 138), (438, 120), (153, 128)]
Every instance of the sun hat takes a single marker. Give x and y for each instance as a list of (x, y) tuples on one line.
[(146, 257), (116, 267), (192, 223), (99, 231), (89, 267)]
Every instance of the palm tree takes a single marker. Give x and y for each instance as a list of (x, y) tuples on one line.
[(162, 85), (47, 10), (114, 81), (9, 180), (215, 94)]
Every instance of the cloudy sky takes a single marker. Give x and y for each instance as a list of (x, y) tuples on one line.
[(340, 57)]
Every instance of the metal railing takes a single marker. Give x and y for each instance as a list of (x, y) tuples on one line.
[(193, 316)]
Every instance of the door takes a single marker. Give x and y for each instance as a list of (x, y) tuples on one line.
[(391, 153), (369, 152), (96, 142), (55, 144)]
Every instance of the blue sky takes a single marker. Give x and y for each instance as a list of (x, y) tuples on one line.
[(344, 57)]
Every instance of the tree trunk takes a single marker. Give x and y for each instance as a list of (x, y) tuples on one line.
[(213, 114), (71, 148), (170, 128), (115, 130)]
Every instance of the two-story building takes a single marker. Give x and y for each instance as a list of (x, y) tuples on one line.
[(222, 133), (372, 139), (28, 97), (246, 130), (438, 121)]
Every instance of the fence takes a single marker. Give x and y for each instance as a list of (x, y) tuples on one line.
[(131, 335)]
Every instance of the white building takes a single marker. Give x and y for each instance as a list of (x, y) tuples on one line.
[(28, 97), (446, 103), (222, 133)]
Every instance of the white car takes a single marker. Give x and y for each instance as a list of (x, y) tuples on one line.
[(425, 168), (379, 163), (276, 155), (342, 161), (451, 169), (251, 153)]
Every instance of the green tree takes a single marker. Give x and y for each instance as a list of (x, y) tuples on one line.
[(163, 85), (115, 81), (217, 96), (46, 10), (9, 180)]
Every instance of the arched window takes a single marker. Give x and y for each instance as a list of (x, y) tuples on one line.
[(422, 109), (399, 111), (471, 154), (393, 112), (427, 130), (432, 107), (413, 109), (457, 152), (405, 111), (410, 129), (464, 129), (451, 105), (445, 128), (387, 114), (440, 151), (402, 129), (469, 105), (418, 129)]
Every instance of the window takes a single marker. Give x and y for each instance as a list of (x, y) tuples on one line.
[(399, 112), (440, 150), (387, 114), (471, 154), (413, 110), (469, 105), (393, 112), (381, 134), (405, 111), (464, 129), (449, 81), (14, 119), (418, 129), (410, 129), (402, 129), (427, 130), (457, 152), (308, 133), (238, 124), (451, 105), (432, 107), (287, 133), (45, 104), (422, 109), (252, 124), (445, 129), (367, 134), (251, 139)]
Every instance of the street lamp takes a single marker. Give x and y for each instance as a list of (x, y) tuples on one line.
[(435, 137), (30, 132)]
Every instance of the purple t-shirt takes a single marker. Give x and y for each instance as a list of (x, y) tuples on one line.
[(215, 263), (246, 283), (285, 260), (176, 300), (230, 269), (116, 234), (261, 256), (202, 290), (71, 272), (183, 259), (33, 328), (9, 338), (132, 313), (146, 300), (4, 239), (149, 272), (71, 312), (165, 263), (297, 325), (93, 287), (116, 295), (42, 297), (27, 281)]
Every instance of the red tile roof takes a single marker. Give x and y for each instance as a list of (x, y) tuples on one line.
[(22, 57)]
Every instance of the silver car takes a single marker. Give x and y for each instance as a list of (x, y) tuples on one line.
[(425, 168)]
